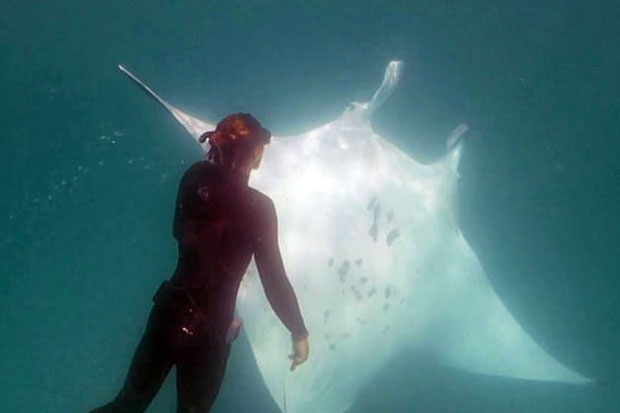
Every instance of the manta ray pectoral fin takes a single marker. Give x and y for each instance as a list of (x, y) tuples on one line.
[(479, 334), (194, 126)]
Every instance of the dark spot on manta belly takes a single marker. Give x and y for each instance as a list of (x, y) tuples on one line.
[(372, 292), (358, 262), (363, 280), (386, 306), (391, 236), (343, 270), (357, 293), (330, 262), (373, 231), (332, 347), (390, 215), (376, 212), (326, 316), (388, 291)]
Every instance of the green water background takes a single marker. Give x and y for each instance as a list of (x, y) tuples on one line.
[(85, 221)]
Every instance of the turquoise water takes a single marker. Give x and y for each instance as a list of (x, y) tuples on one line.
[(89, 169)]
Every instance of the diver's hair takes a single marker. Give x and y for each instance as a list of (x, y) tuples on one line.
[(234, 140)]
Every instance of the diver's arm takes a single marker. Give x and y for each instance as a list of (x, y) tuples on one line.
[(273, 275)]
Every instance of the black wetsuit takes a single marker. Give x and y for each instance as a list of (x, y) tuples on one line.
[(219, 223)]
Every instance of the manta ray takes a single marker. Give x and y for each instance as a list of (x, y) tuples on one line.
[(374, 252)]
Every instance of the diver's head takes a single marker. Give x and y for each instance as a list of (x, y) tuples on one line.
[(237, 142)]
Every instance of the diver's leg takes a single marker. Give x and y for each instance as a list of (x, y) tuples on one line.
[(200, 371), (150, 366)]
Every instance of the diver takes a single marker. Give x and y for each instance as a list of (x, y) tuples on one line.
[(219, 223)]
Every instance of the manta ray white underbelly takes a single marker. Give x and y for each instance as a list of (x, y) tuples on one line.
[(378, 262)]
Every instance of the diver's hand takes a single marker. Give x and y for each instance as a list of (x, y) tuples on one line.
[(301, 349)]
